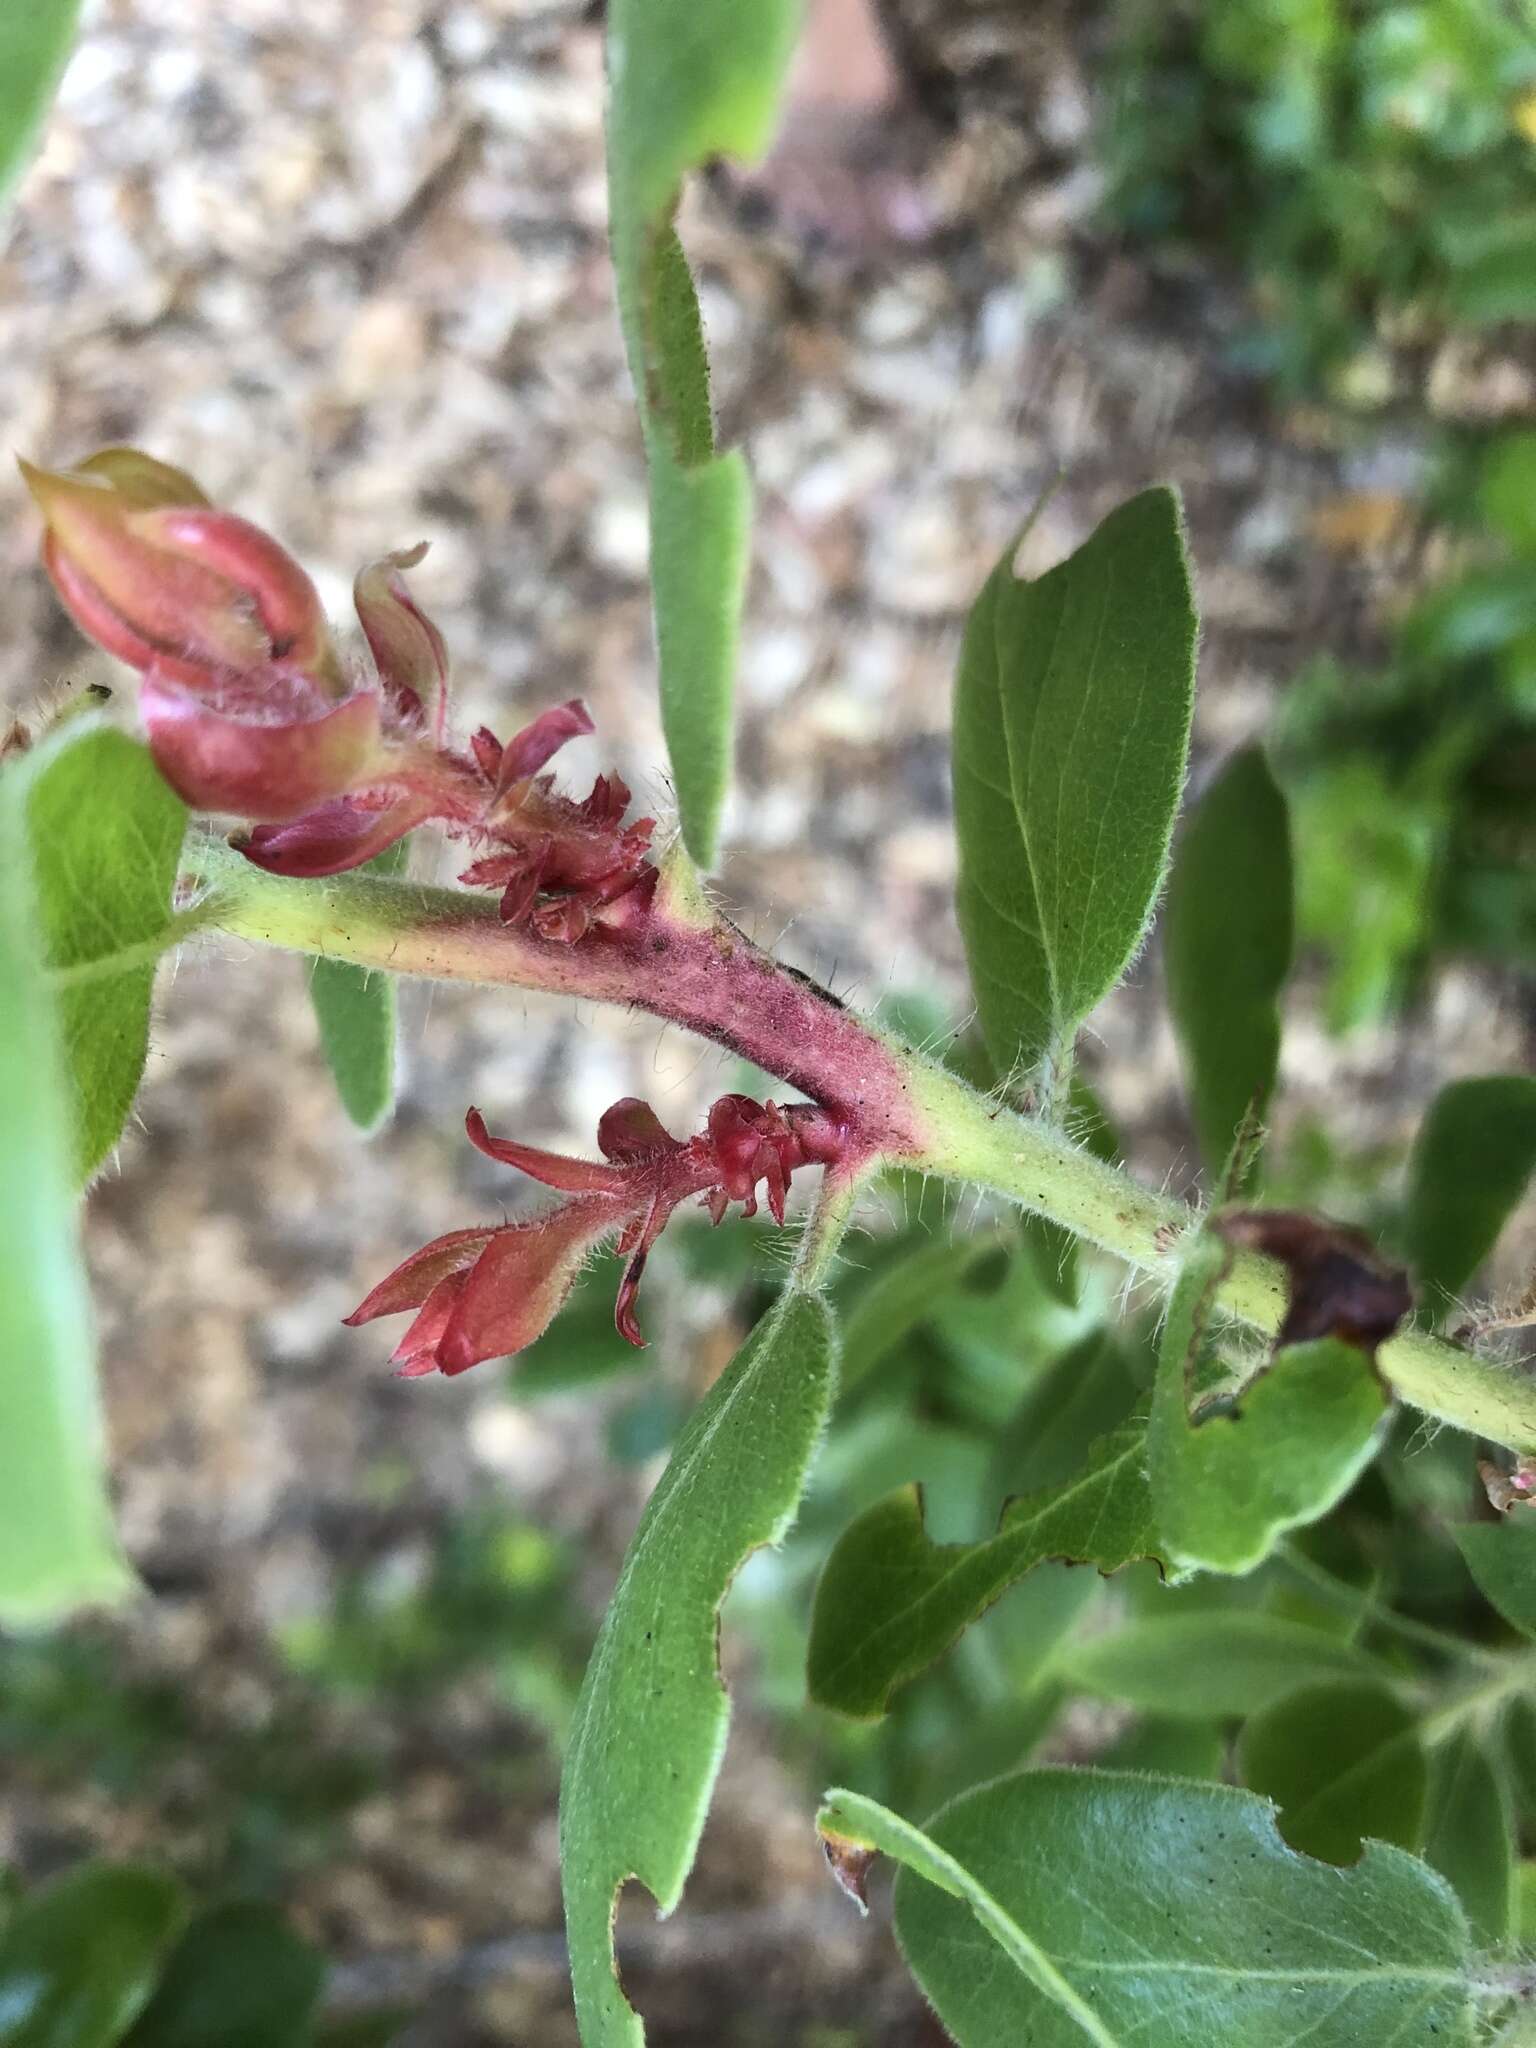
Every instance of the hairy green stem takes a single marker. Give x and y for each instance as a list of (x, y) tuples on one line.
[(711, 979), (1042, 1169), (835, 1201), (1482, 1702)]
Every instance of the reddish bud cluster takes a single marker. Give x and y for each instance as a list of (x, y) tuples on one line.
[(488, 1293), (250, 711)]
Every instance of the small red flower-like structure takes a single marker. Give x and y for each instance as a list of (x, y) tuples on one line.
[(488, 1293), (250, 710)]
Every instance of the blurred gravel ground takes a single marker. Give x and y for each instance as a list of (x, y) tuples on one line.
[(346, 264)]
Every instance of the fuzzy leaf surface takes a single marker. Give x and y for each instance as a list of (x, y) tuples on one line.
[(1200, 1664), (651, 1721), (891, 1600), (1174, 1911), (357, 1012), (58, 1551), (1343, 1762), (850, 1820), (106, 833), (688, 80), (1469, 1834), (1228, 937), (1071, 734), (1226, 1487), (1501, 1556), (35, 41), (904, 1294), (1472, 1158)]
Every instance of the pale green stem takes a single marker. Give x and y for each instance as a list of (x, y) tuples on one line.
[(1042, 1168), (1518, 1675), (954, 1131), (1370, 1613), (850, 1817)]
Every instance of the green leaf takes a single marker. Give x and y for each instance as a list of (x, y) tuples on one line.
[(1228, 939), (57, 1547), (1090, 1389), (79, 1960), (1366, 852), (1468, 1834), (1170, 1748), (581, 1346), (650, 1724), (905, 1293), (1518, 1729), (1501, 1556), (1072, 709), (35, 40), (1178, 1917), (238, 1978), (1343, 1762), (1202, 1664), (1493, 275), (106, 834), (355, 1008), (848, 1817), (688, 80), (1227, 1485), (891, 1600), (1472, 1157), (1507, 491)]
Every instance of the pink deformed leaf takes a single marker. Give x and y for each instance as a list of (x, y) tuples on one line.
[(488, 1294), (164, 578), (411, 1282), (529, 750), (263, 573), (571, 1176), (334, 837), (518, 1284), (408, 650), (268, 772), (632, 1131)]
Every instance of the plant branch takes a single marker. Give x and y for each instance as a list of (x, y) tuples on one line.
[(183, 925), (682, 961), (1369, 1612), (840, 1189), (690, 965)]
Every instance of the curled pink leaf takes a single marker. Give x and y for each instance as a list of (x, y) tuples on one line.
[(271, 772), (519, 1283), (264, 574), (336, 836), (411, 1282), (408, 650), (631, 1131), (537, 744), (571, 1176), (417, 1351), (162, 578)]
